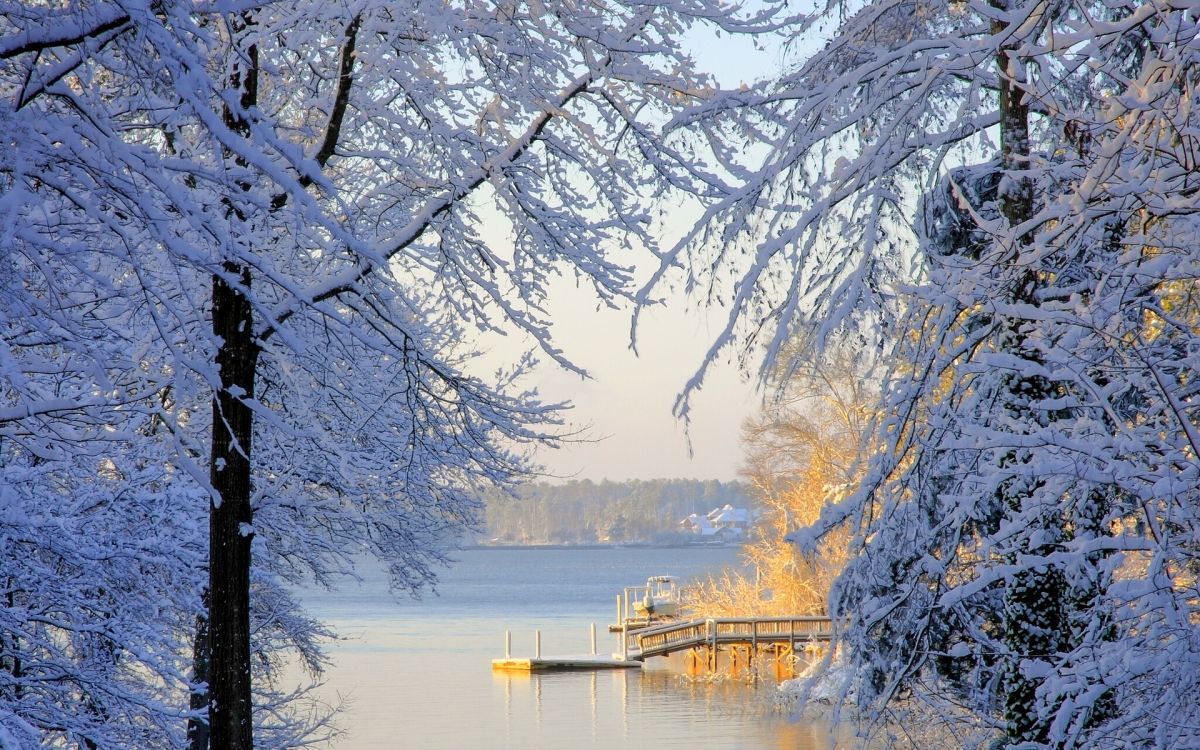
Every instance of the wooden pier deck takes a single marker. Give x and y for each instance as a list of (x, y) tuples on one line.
[(663, 640), (744, 642)]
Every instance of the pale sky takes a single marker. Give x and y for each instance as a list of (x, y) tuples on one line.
[(626, 406)]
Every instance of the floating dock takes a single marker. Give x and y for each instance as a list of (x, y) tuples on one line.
[(564, 663), (539, 663)]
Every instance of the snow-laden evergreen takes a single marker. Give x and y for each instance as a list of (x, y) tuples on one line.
[(1026, 534)]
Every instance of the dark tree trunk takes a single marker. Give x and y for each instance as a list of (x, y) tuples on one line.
[(9, 642), (230, 707), (1016, 188), (197, 731), (231, 725), (230, 521)]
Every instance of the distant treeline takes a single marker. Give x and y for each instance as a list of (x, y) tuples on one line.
[(587, 512)]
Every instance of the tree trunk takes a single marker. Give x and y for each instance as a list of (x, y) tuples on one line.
[(197, 730), (11, 643), (230, 521), (230, 714)]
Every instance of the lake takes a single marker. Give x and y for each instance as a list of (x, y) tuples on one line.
[(417, 674)]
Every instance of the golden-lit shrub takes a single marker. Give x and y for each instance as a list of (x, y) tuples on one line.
[(802, 452)]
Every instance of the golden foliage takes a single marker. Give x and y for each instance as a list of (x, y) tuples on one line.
[(802, 453)]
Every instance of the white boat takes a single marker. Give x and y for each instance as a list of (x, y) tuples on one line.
[(660, 599)]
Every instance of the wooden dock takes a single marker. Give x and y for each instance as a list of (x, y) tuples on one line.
[(743, 641), (663, 640)]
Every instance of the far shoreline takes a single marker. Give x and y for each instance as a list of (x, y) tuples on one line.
[(551, 546)]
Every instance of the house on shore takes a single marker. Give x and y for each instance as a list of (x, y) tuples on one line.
[(723, 524)]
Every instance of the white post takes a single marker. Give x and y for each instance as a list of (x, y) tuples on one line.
[(593, 639), (507, 644), (537, 644)]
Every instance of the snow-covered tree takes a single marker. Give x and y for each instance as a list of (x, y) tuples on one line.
[(103, 534), (1025, 561), (283, 206), (94, 609)]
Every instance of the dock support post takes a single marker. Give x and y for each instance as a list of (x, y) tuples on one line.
[(593, 639), (507, 644), (753, 644), (713, 653), (537, 644)]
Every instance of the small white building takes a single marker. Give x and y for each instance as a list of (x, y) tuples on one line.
[(731, 518), (698, 525), (726, 523)]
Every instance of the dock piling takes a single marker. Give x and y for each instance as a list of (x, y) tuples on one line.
[(593, 639), (537, 644), (507, 644)]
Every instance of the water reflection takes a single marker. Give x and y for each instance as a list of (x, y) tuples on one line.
[(658, 706), (594, 677)]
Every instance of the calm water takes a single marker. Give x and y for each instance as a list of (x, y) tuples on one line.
[(417, 674)]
